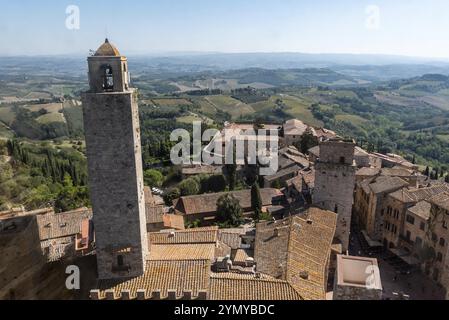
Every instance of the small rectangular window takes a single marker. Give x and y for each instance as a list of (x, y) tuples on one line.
[(120, 261), (410, 219)]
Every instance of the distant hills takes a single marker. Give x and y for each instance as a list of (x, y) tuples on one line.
[(360, 68)]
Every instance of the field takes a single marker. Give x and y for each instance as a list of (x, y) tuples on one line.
[(5, 133), (7, 116), (443, 137), (230, 105), (299, 108), (49, 107), (354, 119), (170, 102), (51, 117)]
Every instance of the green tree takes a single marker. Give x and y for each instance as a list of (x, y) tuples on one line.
[(307, 142), (276, 184), (153, 178), (251, 174), (189, 187), (39, 197), (171, 195), (71, 197), (214, 183), (229, 211), (231, 173), (256, 201)]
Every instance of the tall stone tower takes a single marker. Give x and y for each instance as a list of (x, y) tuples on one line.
[(111, 124), (334, 183)]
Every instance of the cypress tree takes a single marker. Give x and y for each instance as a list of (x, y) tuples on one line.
[(256, 201)]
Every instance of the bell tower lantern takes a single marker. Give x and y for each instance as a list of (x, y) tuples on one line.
[(108, 70)]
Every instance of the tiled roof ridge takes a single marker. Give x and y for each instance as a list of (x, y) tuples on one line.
[(261, 279)]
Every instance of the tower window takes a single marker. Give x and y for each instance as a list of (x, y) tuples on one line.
[(120, 261), (108, 83), (342, 160)]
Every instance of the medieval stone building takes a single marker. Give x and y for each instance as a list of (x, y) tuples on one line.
[(111, 122), (334, 183)]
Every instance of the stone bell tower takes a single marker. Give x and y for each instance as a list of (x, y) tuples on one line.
[(111, 125), (334, 183)]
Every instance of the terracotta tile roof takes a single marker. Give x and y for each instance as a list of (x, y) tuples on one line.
[(358, 152), (173, 221), (315, 151), (367, 172), (231, 237), (182, 275), (309, 178), (241, 256), (230, 286), (206, 169), (421, 209), (197, 235), (322, 132), (309, 249), (441, 200), (296, 182), (386, 183), (284, 172), (294, 155), (200, 251), (107, 50), (59, 225), (396, 172), (295, 127), (300, 248), (208, 202), (149, 198), (416, 195), (154, 214)]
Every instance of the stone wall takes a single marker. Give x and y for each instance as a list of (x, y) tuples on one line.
[(111, 122), (356, 293), (334, 189)]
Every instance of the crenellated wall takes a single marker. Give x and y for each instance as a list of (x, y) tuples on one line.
[(144, 295)]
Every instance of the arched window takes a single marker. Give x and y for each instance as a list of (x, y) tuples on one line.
[(108, 80)]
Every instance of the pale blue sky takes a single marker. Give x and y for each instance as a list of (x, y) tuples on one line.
[(406, 27)]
